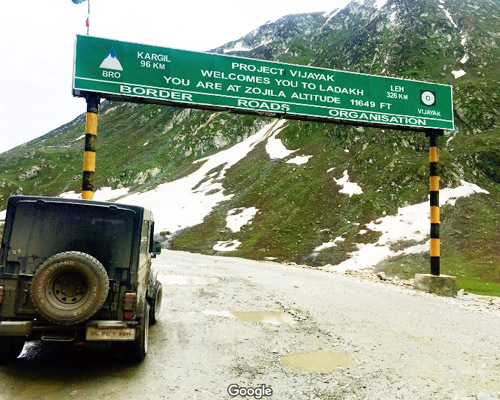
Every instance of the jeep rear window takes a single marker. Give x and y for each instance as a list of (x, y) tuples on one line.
[(42, 229)]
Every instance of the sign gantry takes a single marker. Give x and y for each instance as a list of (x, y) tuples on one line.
[(136, 72), (130, 71)]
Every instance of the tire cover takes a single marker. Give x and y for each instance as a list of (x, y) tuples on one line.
[(69, 287)]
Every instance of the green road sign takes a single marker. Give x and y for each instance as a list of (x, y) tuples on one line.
[(136, 72)]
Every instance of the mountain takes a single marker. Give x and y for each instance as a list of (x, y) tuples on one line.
[(305, 192)]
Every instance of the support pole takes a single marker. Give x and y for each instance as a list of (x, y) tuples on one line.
[(442, 285), (434, 201), (90, 146)]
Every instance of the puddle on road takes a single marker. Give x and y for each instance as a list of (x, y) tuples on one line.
[(215, 313), (260, 317), (266, 317), (187, 280), (316, 361)]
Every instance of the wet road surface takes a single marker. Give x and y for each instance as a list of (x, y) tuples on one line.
[(305, 334)]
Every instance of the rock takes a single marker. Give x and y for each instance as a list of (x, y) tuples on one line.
[(145, 175), (382, 276), (30, 174)]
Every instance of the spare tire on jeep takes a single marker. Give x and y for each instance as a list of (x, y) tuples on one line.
[(69, 287)]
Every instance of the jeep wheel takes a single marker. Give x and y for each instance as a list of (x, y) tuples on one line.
[(69, 288), (154, 311), (10, 348), (136, 350)]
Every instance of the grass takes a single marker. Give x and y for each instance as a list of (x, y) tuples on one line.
[(469, 247), (479, 287), (468, 272)]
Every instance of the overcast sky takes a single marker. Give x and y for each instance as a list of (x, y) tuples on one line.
[(37, 43)]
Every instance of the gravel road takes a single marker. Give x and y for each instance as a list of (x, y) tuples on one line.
[(295, 331)]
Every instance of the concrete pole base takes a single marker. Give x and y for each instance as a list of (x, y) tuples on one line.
[(442, 285)]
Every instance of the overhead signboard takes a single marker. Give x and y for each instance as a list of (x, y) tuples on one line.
[(130, 71)]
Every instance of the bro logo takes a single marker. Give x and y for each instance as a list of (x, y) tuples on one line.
[(112, 63)]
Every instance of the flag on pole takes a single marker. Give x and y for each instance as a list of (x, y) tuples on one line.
[(87, 21)]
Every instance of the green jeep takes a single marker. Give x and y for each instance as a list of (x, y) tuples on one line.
[(77, 271)]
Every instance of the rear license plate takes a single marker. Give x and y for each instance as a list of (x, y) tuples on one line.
[(110, 334)]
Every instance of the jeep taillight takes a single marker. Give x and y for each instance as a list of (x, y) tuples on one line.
[(129, 300), (1, 294)]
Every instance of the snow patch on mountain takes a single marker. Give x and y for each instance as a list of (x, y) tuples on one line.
[(229, 245), (448, 15), (79, 138), (238, 217), (102, 194), (459, 73), (384, 70), (239, 46), (330, 15), (463, 42), (275, 148), (349, 188), (452, 137), (380, 3), (299, 160), (265, 42), (187, 201), (411, 223), (328, 245)]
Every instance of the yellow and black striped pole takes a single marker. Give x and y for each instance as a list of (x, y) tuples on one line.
[(434, 201), (90, 146)]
